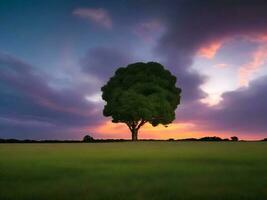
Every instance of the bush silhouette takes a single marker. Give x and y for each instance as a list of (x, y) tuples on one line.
[(88, 138), (234, 138)]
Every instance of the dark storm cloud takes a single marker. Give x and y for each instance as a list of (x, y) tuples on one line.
[(193, 24), (103, 61), (243, 110), (29, 106)]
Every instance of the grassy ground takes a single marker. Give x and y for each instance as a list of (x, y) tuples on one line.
[(143, 170)]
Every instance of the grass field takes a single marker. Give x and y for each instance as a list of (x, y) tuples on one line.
[(143, 170)]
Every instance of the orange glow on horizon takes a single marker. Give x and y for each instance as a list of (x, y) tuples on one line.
[(175, 130), (120, 130)]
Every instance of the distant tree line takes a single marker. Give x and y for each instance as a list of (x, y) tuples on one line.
[(214, 138), (90, 139)]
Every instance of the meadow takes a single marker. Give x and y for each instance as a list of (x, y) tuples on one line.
[(134, 171)]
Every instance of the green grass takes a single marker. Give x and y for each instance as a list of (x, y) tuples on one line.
[(142, 170)]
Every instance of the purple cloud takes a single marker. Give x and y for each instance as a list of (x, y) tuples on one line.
[(243, 110), (29, 107), (150, 30), (103, 61)]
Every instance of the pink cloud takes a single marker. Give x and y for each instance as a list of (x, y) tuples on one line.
[(209, 50), (259, 57), (97, 15)]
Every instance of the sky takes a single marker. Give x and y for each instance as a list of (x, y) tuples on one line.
[(56, 55)]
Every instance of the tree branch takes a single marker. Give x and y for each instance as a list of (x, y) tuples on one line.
[(135, 125), (129, 125), (142, 122)]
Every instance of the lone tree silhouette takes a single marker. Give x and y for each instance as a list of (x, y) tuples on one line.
[(141, 93)]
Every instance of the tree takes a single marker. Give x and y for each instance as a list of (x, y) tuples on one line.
[(234, 138), (88, 138), (141, 93)]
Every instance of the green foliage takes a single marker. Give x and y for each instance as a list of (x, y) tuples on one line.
[(141, 92)]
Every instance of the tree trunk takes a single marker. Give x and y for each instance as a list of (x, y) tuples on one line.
[(134, 135)]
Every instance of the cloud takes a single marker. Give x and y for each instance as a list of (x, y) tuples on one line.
[(103, 61), (98, 16), (243, 110), (149, 31), (259, 58), (94, 98), (29, 107), (194, 25), (210, 50)]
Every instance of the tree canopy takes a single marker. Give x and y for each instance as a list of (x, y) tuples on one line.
[(141, 93)]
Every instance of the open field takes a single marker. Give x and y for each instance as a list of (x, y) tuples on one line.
[(142, 170)]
